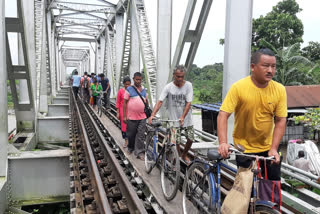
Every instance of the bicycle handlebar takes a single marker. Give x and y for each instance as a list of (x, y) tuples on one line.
[(239, 153), (164, 120)]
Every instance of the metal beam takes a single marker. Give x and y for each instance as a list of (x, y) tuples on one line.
[(44, 175), (24, 102), (163, 43), (3, 96), (191, 36), (236, 48)]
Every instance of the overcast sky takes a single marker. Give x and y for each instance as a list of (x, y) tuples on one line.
[(209, 50)]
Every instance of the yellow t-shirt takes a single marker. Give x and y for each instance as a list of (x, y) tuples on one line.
[(254, 110)]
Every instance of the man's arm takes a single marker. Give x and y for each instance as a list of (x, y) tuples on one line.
[(108, 86), (278, 132), (185, 112), (155, 111), (125, 110), (222, 123)]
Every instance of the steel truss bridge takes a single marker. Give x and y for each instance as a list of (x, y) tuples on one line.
[(62, 152)]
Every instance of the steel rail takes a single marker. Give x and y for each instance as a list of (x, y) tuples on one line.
[(101, 192), (135, 204)]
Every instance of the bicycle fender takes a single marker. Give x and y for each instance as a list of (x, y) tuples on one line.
[(266, 203)]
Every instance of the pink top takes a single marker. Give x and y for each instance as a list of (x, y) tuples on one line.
[(135, 106), (119, 105)]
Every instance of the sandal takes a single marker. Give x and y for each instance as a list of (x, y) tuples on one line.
[(186, 160), (141, 157)]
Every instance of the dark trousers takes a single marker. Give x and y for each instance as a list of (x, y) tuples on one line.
[(135, 133), (86, 95), (75, 91), (106, 99), (273, 170)]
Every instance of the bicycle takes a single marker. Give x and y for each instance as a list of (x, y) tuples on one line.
[(99, 103), (202, 186), (168, 155)]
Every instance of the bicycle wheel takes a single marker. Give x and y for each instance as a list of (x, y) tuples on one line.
[(100, 110), (196, 190), (149, 156), (170, 172), (261, 209)]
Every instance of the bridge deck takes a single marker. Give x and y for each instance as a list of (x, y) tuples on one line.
[(152, 180)]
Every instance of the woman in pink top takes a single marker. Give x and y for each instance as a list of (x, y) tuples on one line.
[(119, 106)]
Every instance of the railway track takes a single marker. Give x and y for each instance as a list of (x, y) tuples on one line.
[(101, 181), (288, 206), (149, 202)]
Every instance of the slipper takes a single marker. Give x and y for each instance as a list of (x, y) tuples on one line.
[(125, 145), (186, 160), (141, 157)]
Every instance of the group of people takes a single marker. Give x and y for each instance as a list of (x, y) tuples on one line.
[(258, 102), (91, 86), (131, 101)]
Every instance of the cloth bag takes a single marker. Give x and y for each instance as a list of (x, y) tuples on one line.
[(238, 199), (91, 100), (147, 109), (269, 190)]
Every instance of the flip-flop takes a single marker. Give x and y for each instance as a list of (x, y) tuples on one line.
[(187, 160), (141, 157)]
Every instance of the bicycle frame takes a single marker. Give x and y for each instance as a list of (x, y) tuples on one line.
[(155, 140), (216, 185)]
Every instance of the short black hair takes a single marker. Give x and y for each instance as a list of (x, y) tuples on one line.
[(101, 75), (85, 73), (301, 154), (76, 72), (179, 68), (126, 79), (255, 57), (137, 74)]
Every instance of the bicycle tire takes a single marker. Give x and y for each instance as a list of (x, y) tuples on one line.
[(100, 111), (262, 209), (149, 159), (198, 201), (170, 172)]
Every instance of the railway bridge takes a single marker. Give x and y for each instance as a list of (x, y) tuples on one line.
[(60, 150)]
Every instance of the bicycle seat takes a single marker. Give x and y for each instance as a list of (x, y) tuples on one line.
[(213, 155), (156, 124)]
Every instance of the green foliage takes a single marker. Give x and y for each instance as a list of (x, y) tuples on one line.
[(281, 26), (312, 51), (207, 83), (310, 119), (292, 68)]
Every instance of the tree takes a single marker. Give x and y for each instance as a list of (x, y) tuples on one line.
[(312, 51), (207, 82), (281, 26), (310, 119), (291, 67)]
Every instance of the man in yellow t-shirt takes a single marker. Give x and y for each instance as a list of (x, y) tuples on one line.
[(260, 110)]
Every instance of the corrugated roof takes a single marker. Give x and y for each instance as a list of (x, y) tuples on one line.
[(303, 96), (208, 106)]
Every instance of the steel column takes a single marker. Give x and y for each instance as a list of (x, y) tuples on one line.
[(97, 58), (92, 66), (3, 95), (237, 47), (50, 33), (163, 43), (43, 97), (102, 51), (110, 61), (119, 47), (135, 44)]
